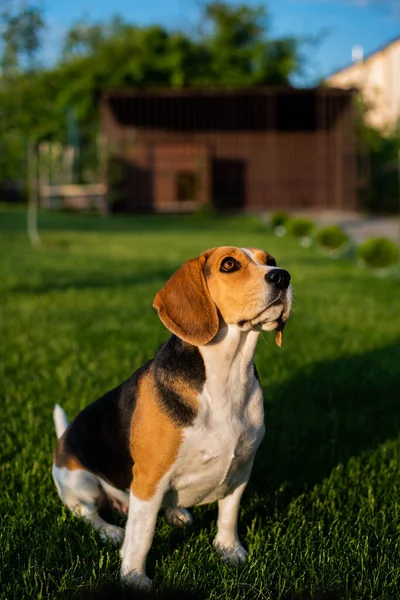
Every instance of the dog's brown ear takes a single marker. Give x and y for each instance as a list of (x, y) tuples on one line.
[(185, 306)]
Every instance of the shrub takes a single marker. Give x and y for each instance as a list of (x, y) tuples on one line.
[(206, 211), (379, 252), (332, 237), (279, 218), (301, 227)]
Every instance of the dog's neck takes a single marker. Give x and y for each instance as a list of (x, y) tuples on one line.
[(228, 361)]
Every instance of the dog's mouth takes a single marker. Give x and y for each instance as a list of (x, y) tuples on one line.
[(272, 317), (273, 311), (269, 314), (277, 323)]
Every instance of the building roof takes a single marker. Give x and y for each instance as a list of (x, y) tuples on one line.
[(249, 109), (367, 57)]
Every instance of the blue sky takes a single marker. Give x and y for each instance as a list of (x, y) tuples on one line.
[(343, 23)]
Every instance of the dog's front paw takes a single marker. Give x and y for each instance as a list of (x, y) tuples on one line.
[(180, 517), (138, 581), (113, 534), (234, 555)]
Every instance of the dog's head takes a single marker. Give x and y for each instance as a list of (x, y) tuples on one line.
[(227, 285)]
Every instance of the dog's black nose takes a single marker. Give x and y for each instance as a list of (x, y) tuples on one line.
[(279, 278)]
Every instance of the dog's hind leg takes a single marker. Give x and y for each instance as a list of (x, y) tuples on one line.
[(82, 493), (117, 499), (179, 517)]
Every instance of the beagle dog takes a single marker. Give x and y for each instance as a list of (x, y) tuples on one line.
[(184, 429)]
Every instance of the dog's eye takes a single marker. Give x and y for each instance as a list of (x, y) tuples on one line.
[(229, 265), (271, 262)]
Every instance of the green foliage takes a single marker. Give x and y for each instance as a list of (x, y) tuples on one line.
[(279, 218), (321, 513), (379, 164), (206, 211), (332, 237), (240, 50), (233, 48), (21, 37), (383, 193), (300, 227), (24, 103), (379, 252)]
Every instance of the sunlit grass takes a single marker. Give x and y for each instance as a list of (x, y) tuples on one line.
[(321, 514)]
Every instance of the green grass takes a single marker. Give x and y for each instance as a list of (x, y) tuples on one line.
[(321, 515)]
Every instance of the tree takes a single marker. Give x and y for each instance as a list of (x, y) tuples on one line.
[(22, 27), (21, 32), (232, 48), (241, 51), (379, 164)]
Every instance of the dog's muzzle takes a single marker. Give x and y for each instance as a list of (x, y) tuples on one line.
[(280, 278)]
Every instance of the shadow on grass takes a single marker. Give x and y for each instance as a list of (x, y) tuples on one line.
[(324, 416), (317, 420), (336, 595), (60, 281), (320, 418), (314, 422), (14, 221), (117, 591)]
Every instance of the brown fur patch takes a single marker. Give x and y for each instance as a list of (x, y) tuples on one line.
[(238, 295), (61, 458), (184, 389), (155, 440)]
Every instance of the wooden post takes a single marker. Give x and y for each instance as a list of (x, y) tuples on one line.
[(32, 228), (102, 158)]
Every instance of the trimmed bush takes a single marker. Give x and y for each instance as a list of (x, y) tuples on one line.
[(379, 253), (279, 218), (206, 211), (301, 227), (331, 237)]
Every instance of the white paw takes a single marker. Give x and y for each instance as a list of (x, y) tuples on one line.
[(180, 517), (113, 534), (235, 555), (139, 581)]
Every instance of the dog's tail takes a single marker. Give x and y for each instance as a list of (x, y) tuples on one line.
[(60, 420)]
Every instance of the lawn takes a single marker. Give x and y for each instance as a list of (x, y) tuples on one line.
[(321, 515)]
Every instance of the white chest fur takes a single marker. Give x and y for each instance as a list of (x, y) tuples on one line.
[(220, 446)]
